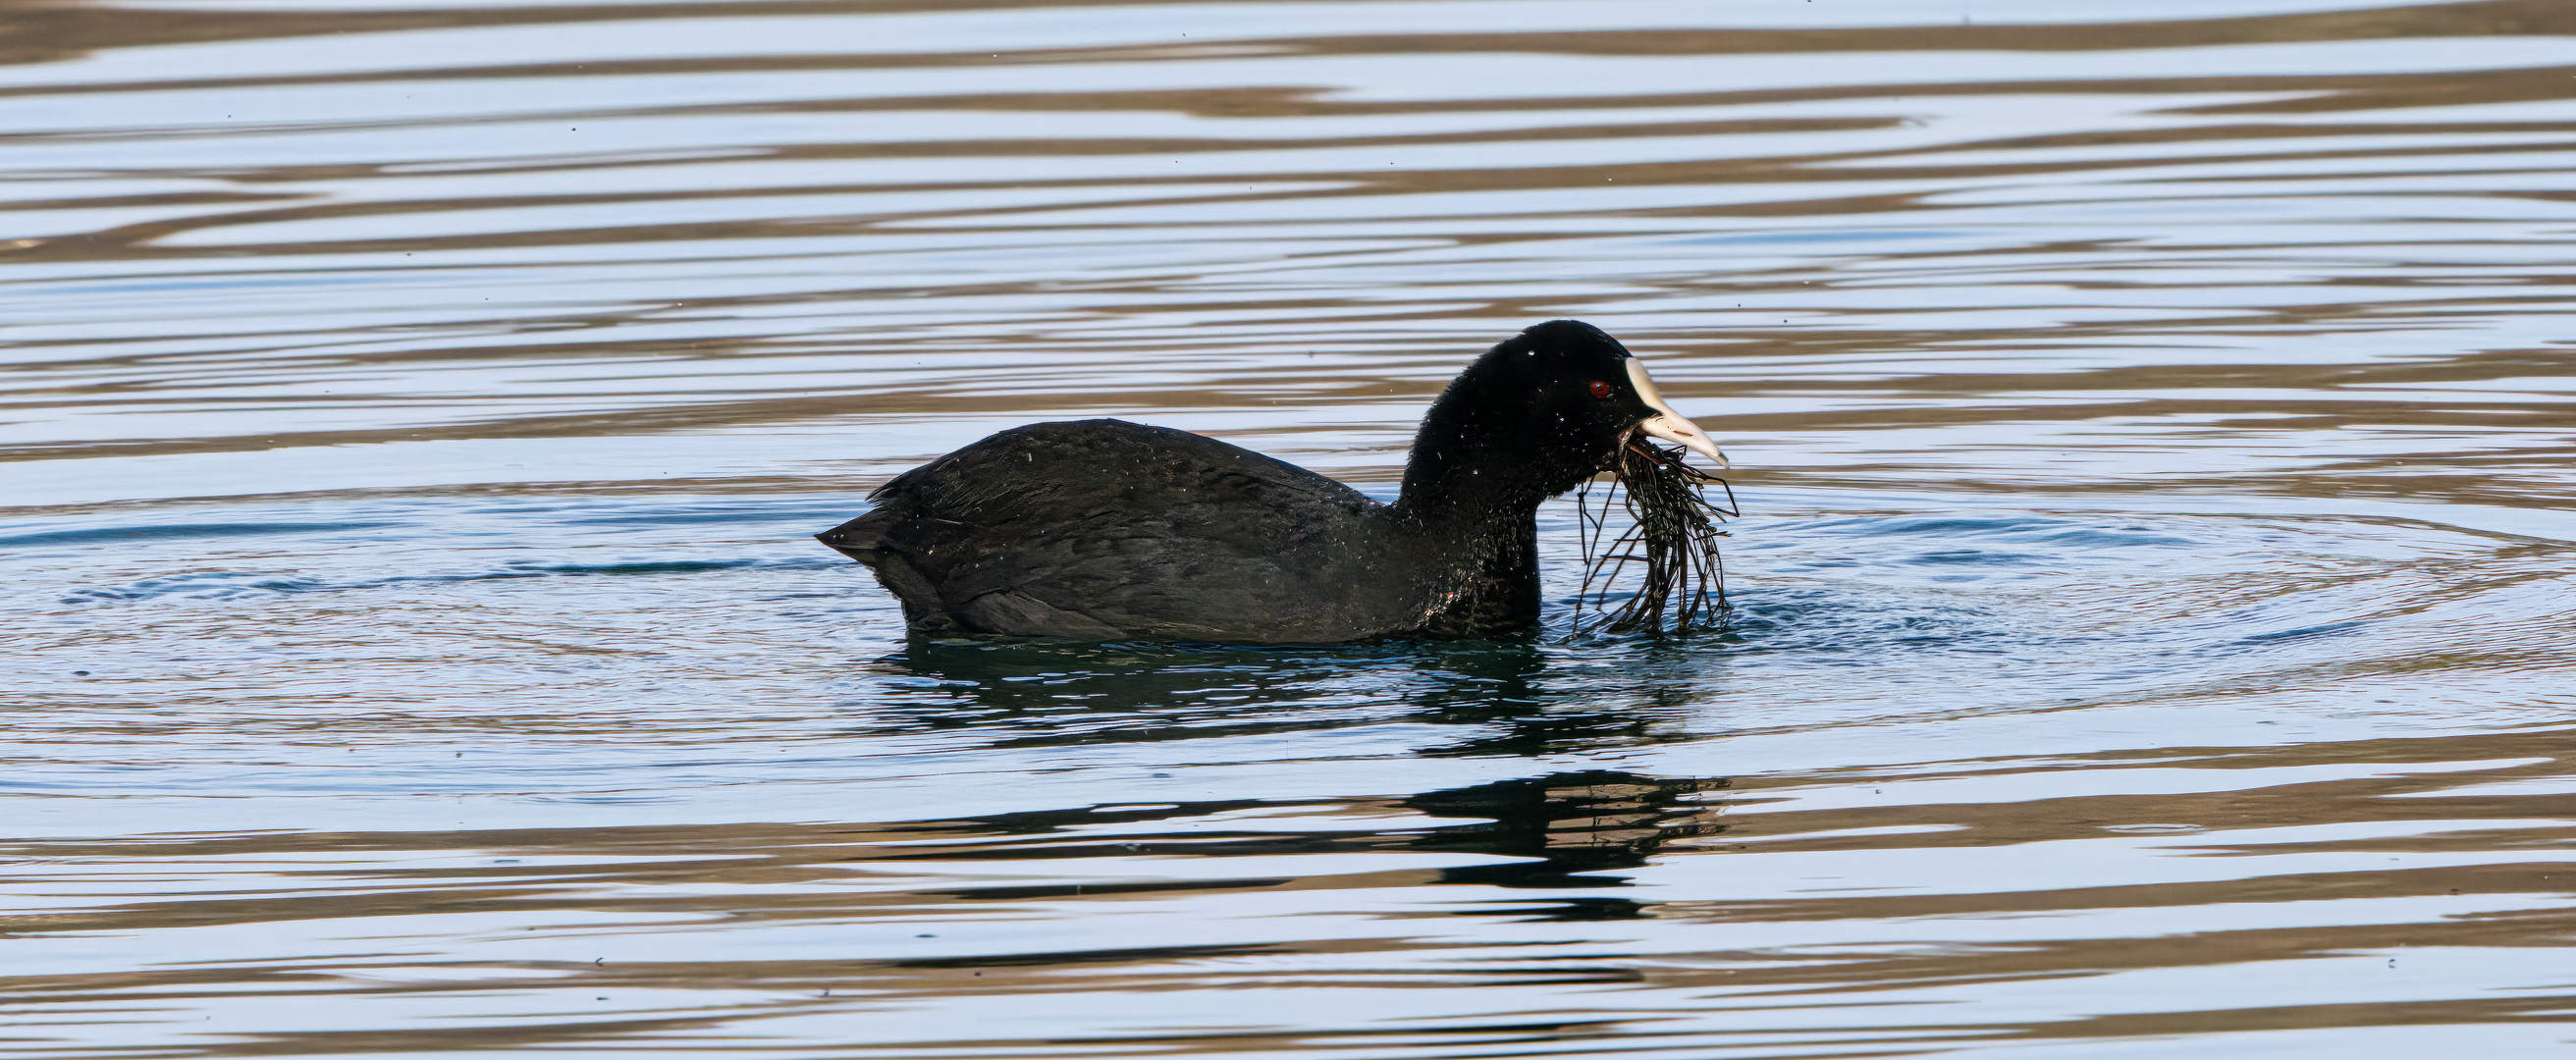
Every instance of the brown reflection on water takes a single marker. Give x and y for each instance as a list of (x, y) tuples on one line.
[(1090, 327), (921, 913), (2108, 398)]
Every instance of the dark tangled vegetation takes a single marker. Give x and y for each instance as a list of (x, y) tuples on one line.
[(1670, 546)]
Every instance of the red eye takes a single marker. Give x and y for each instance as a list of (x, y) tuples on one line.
[(1600, 389)]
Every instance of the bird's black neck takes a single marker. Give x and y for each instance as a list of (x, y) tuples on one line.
[(1478, 460), (1472, 488)]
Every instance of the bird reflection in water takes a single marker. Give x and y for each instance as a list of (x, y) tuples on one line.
[(1582, 827), (1560, 830), (1508, 697)]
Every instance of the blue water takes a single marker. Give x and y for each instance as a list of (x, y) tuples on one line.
[(2148, 635)]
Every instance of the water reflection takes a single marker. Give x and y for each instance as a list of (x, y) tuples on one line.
[(2150, 635), (1512, 697), (1574, 829)]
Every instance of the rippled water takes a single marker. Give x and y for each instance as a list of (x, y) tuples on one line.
[(2153, 423)]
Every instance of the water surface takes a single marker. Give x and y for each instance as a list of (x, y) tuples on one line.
[(2152, 421)]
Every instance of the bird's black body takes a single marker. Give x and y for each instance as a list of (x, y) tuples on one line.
[(1103, 529)]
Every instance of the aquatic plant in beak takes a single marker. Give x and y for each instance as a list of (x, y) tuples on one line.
[(1669, 546)]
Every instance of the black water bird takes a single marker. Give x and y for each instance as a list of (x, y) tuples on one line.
[(1104, 529)]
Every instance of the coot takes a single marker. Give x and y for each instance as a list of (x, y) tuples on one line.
[(1103, 529)]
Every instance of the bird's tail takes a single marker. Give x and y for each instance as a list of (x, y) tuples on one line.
[(858, 538)]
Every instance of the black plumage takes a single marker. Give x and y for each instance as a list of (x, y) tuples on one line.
[(1103, 529)]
